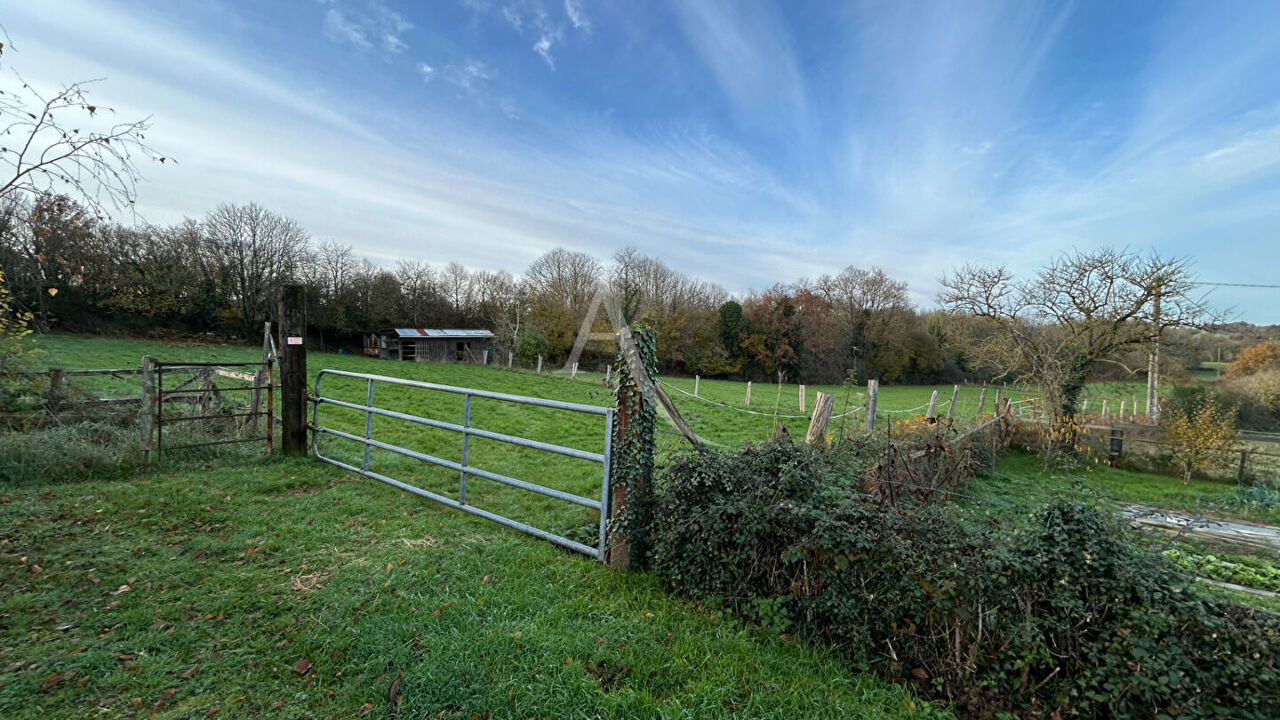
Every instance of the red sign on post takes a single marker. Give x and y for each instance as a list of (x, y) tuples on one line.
[(293, 340)]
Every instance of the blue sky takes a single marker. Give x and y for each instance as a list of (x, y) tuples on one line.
[(745, 141)]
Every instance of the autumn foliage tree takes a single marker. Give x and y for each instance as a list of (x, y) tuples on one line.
[(1200, 432), (1256, 358)]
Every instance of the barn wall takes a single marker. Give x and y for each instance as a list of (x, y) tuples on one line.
[(435, 351)]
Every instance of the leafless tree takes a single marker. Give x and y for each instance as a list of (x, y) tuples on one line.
[(64, 143), (256, 250), (1082, 309)]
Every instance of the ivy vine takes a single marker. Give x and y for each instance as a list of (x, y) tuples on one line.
[(635, 439)]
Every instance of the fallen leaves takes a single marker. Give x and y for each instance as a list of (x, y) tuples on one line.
[(120, 590), (190, 672), (303, 666), (393, 692)]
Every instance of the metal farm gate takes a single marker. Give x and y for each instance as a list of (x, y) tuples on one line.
[(199, 393), (467, 431)]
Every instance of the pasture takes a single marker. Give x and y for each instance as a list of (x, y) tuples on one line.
[(224, 583)]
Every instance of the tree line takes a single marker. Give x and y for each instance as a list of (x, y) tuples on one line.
[(77, 271)]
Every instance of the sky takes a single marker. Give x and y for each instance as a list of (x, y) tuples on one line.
[(747, 142)]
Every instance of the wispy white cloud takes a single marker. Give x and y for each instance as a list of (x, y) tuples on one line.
[(748, 48), (426, 71), (543, 48), (342, 30), (573, 8), (374, 24)]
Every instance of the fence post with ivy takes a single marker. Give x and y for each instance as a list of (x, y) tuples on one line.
[(633, 448)]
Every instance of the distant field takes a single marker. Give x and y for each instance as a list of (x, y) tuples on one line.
[(715, 422)]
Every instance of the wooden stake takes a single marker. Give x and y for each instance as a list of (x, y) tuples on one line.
[(802, 399), (696, 380), (873, 389), (511, 357), (147, 418), (982, 402), (539, 363), (748, 393), (955, 395), (822, 407), (933, 406), (1104, 409)]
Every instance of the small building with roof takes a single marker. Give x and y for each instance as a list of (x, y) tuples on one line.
[(431, 345)]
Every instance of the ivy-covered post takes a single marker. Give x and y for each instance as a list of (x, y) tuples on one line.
[(634, 444)]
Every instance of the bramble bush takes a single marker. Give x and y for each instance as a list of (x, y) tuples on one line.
[(1065, 617)]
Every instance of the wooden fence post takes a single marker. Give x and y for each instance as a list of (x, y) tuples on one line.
[(822, 407), (873, 389), (955, 395), (802, 399), (146, 420), (1084, 407), (1244, 456), (1121, 416), (748, 393), (696, 379), (539, 364), (511, 357), (1104, 409), (931, 413), (293, 372), (53, 397), (1116, 448), (982, 402)]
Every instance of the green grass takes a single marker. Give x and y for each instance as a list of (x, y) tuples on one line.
[(179, 592), (1021, 483), (242, 568)]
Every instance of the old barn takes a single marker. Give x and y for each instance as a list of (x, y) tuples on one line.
[(430, 345)]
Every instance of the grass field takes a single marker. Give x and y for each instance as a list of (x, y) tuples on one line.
[(289, 589), (204, 585)]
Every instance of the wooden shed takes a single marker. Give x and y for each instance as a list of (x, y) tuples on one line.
[(430, 345)]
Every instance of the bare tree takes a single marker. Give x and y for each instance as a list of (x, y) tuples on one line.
[(1082, 309), (62, 143), (256, 250), (420, 291)]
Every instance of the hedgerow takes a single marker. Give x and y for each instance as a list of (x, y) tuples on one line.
[(1065, 617)]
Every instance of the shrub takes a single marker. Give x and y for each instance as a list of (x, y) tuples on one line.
[(1065, 616), (1258, 396), (1200, 430)]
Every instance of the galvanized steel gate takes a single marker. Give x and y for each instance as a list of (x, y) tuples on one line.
[(463, 468)]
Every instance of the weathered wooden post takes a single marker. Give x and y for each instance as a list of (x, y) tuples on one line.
[(1104, 409), (955, 395), (53, 398), (1084, 406), (632, 448), (696, 379), (822, 407), (511, 358), (748, 401), (1244, 457), (573, 373), (485, 358), (146, 420), (931, 413), (873, 389), (1121, 416), (293, 372), (802, 399), (539, 364), (982, 402), (1116, 448)]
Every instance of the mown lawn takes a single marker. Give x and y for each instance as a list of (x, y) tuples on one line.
[(291, 589)]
